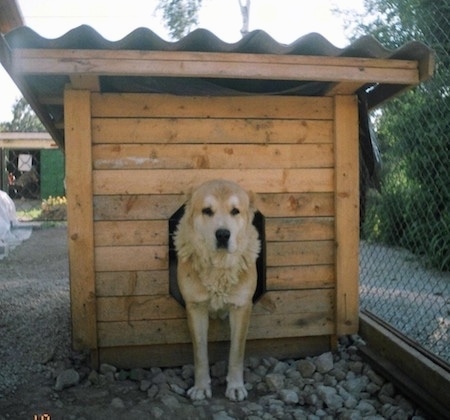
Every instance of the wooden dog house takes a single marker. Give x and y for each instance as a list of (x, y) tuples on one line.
[(142, 120)]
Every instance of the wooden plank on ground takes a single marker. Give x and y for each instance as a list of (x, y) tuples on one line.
[(347, 214), (136, 105), (160, 181), (197, 156), (209, 130), (80, 223)]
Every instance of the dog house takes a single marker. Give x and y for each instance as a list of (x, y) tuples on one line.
[(142, 120)]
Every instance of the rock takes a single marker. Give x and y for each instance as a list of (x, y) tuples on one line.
[(219, 369), (170, 402), (288, 396), (156, 413), (324, 363), (137, 374), (117, 403), (145, 385), (93, 377), (152, 392), (355, 386), (388, 390), (274, 381), (330, 397), (366, 409), (306, 368), (222, 415), (66, 379), (106, 368)]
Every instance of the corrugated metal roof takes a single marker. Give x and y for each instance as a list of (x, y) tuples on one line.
[(45, 91)]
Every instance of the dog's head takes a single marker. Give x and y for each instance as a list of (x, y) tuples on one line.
[(221, 214)]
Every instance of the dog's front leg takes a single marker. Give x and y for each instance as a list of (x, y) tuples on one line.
[(198, 321), (239, 322)]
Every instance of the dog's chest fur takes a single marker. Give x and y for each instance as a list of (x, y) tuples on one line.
[(218, 276)]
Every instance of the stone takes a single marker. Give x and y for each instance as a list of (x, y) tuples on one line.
[(117, 403), (145, 385), (66, 379), (137, 374), (330, 397), (106, 368), (324, 362), (306, 368), (274, 381), (289, 396)]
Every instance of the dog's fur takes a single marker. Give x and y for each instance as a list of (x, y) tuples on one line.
[(217, 247)]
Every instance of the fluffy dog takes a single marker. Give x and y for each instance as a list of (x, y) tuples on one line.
[(217, 247)]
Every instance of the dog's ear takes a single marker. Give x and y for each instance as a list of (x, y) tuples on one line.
[(252, 202)]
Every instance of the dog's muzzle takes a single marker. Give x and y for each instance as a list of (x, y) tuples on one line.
[(222, 238)]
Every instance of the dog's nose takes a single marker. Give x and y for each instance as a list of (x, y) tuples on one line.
[(222, 236)]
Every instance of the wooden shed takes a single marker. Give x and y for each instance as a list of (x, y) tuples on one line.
[(142, 120)]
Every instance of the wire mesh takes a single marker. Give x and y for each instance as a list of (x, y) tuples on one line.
[(405, 246)]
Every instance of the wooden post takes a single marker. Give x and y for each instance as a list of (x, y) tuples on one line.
[(347, 214), (77, 114)]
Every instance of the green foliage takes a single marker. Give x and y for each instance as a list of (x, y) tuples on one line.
[(179, 15), (24, 119), (412, 209)]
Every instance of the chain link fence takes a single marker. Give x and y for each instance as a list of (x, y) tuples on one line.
[(405, 231)]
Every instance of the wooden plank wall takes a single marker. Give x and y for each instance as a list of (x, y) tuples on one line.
[(147, 150)]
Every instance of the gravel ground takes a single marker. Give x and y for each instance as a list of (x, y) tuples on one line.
[(400, 290), (40, 374)]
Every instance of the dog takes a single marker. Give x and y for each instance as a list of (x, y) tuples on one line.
[(217, 247)]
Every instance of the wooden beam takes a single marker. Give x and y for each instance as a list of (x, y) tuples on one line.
[(419, 377), (217, 65), (85, 82), (347, 214), (27, 141), (80, 219), (10, 16)]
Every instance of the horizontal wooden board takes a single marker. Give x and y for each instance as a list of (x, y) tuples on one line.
[(161, 307), (196, 156), (136, 232), (132, 283), (136, 207), (135, 333), (179, 354), (168, 106), (211, 131), (160, 181), (156, 232), (144, 207), (300, 277), (299, 228), (300, 253), (129, 258)]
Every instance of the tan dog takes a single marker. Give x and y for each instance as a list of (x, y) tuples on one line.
[(217, 248)]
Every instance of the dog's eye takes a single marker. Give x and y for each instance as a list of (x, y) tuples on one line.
[(207, 211), (234, 212)]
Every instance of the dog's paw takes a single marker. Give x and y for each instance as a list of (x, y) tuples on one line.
[(197, 393), (236, 393)]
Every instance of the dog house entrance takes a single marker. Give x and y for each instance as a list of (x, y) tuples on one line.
[(258, 222)]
